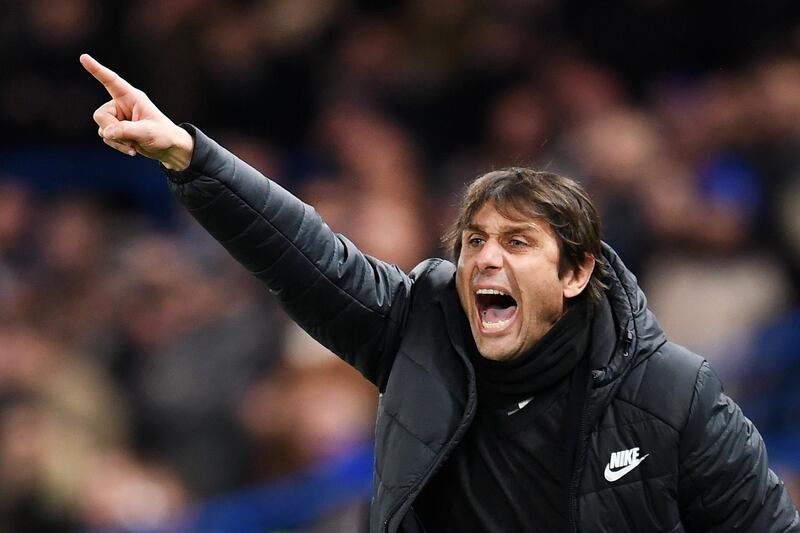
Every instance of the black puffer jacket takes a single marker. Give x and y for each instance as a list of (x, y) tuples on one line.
[(705, 467)]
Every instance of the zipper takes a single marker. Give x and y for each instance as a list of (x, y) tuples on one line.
[(627, 342), (465, 423), (572, 494), (456, 339), (469, 413)]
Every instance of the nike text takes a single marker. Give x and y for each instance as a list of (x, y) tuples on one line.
[(622, 462)]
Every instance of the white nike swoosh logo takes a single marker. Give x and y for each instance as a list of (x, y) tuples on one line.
[(614, 475)]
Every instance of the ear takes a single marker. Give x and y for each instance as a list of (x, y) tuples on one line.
[(575, 280)]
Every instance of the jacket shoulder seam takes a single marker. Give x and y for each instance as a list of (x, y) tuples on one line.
[(692, 407), (695, 394), (423, 277), (432, 263)]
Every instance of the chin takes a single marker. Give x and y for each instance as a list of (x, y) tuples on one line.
[(496, 353)]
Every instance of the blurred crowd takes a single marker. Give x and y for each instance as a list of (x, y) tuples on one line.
[(143, 373)]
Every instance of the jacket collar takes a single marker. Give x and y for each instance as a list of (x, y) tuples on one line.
[(638, 335), (637, 329)]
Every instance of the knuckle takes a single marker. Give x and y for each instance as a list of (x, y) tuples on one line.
[(143, 96), (117, 146)]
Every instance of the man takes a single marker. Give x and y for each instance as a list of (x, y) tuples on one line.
[(526, 388)]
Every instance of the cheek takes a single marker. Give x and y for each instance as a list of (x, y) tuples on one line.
[(462, 284), (464, 264), (465, 271), (543, 292)]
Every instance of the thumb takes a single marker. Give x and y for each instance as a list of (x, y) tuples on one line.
[(129, 131)]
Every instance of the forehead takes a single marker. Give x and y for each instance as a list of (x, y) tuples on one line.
[(507, 218)]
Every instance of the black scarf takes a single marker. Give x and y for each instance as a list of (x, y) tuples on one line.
[(552, 358)]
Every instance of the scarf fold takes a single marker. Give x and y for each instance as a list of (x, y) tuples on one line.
[(550, 360)]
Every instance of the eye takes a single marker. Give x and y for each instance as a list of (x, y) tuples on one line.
[(474, 242), (517, 243)]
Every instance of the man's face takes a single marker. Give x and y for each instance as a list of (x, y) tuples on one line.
[(508, 283)]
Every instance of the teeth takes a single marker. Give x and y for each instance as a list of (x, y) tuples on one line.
[(490, 291), (495, 325)]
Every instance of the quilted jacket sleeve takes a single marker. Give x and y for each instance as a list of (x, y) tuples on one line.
[(726, 483), (349, 302)]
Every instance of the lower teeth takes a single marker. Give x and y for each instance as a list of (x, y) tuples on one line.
[(494, 325)]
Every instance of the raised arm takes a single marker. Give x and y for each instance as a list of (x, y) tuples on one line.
[(349, 302), (353, 304)]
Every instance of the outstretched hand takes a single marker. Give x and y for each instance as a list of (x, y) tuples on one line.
[(132, 124)]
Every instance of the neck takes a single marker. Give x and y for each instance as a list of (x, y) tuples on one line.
[(547, 363)]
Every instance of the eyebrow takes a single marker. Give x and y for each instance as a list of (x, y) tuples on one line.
[(511, 228)]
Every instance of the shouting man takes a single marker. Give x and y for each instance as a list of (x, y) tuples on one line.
[(525, 387)]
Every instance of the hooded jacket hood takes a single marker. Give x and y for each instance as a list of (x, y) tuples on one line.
[(637, 329)]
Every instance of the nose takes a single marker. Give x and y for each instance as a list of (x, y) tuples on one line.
[(490, 257)]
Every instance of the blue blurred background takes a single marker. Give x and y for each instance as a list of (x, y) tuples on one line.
[(147, 383)]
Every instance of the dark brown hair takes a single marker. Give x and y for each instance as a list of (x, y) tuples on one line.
[(559, 201)]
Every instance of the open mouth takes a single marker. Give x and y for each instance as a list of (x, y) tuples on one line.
[(496, 309)]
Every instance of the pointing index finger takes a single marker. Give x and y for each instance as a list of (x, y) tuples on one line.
[(114, 84)]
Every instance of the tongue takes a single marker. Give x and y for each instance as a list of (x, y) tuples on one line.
[(496, 313)]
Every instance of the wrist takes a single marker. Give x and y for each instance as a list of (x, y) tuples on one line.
[(179, 156)]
